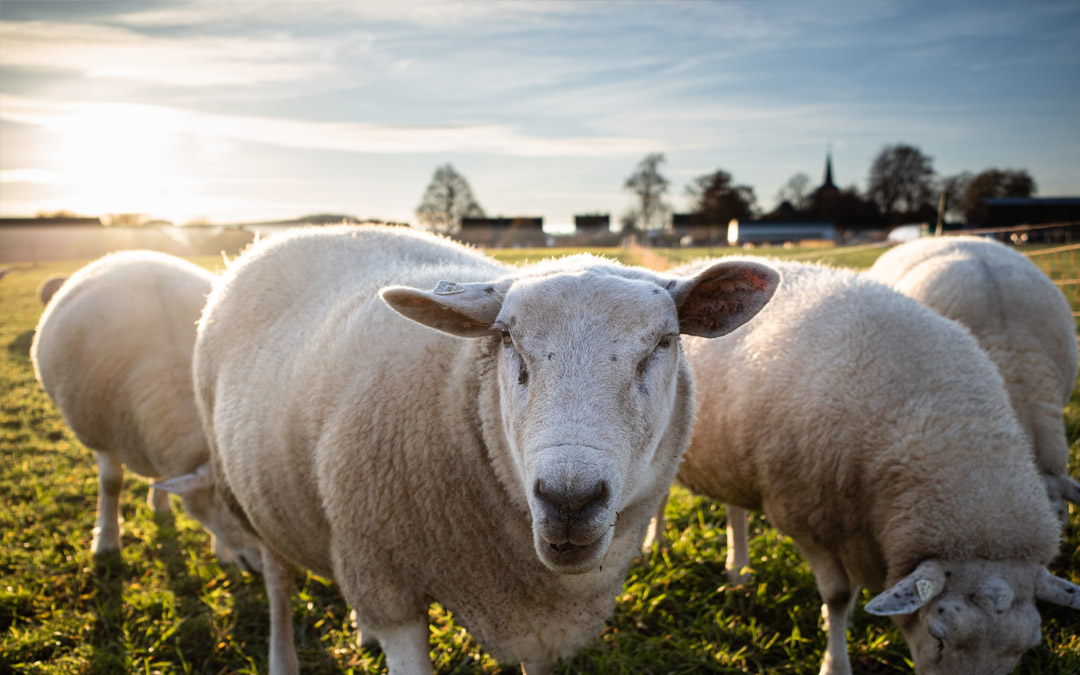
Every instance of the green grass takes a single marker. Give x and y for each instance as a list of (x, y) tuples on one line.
[(164, 605)]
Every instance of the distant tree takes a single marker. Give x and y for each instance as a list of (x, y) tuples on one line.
[(716, 199), (796, 191), (901, 180), (61, 213), (649, 186), (125, 219), (995, 183), (628, 222), (954, 187), (446, 201)]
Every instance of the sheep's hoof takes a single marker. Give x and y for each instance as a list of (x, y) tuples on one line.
[(104, 544)]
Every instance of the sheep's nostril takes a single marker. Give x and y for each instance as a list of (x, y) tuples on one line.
[(572, 501)]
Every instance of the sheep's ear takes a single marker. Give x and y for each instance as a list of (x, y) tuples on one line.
[(465, 310), (723, 297), (189, 482), (1058, 591), (911, 592), (1070, 489)]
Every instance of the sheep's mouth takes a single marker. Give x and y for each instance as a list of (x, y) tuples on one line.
[(565, 548), (568, 558)]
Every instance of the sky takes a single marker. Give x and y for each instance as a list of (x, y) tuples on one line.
[(240, 111)]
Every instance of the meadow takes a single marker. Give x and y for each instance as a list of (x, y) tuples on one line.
[(164, 605)]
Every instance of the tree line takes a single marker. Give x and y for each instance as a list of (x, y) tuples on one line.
[(902, 187)]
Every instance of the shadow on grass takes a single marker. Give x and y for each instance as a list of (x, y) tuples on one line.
[(109, 654), (20, 346)]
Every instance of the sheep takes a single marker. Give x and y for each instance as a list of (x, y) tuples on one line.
[(496, 444), (48, 288), (879, 437), (1020, 319), (113, 350)]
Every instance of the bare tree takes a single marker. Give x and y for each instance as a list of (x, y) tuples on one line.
[(953, 188), (901, 180), (446, 201), (995, 183), (649, 186), (796, 191), (717, 200)]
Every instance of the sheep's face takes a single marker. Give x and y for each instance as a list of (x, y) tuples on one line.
[(595, 397), (591, 380), (234, 543), (975, 618)]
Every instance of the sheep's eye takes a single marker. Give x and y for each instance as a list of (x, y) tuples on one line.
[(506, 339), (664, 342)]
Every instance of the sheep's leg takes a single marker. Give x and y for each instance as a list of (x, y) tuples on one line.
[(363, 637), (406, 647), (654, 537), (835, 589), (278, 576), (537, 668), (159, 501), (738, 548), (110, 481)]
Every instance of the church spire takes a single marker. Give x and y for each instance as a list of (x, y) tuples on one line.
[(828, 183)]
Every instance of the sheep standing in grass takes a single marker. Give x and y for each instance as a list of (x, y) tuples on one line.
[(1020, 319), (879, 436), (113, 350), (504, 464)]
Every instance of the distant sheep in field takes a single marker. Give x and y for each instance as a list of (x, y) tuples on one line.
[(1020, 319), (504, 464), (49, 287), (113, 350), (879, 437)]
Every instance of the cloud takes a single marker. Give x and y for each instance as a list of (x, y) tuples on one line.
[(435, 14), (100, 51), (481, 137)]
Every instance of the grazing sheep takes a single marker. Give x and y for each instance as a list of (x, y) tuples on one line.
[(113, 350), (879, 437), (1020, 319), (508, 476), (48, 288)]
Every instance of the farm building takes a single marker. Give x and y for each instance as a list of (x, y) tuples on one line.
[(1011, 211), (779, 232), (502, 232), (592, 223)]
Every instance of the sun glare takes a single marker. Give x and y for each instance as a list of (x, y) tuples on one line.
[(118, 157)]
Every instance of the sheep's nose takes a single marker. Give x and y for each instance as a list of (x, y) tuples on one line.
[(573, 500)]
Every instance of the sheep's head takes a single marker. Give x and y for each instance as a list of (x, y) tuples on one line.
[(595, 396), (234, 542), (971, 617)]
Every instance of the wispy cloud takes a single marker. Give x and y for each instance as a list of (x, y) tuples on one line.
[(338, 136), (100, 51)]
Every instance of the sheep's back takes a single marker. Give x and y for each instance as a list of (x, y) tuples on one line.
[(1018, 315), (847, 412), (113, 350), (307, 377)]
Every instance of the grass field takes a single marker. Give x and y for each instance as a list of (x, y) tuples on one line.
[(163, 605)]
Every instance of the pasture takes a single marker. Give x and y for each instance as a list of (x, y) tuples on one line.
[(164, 605)]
